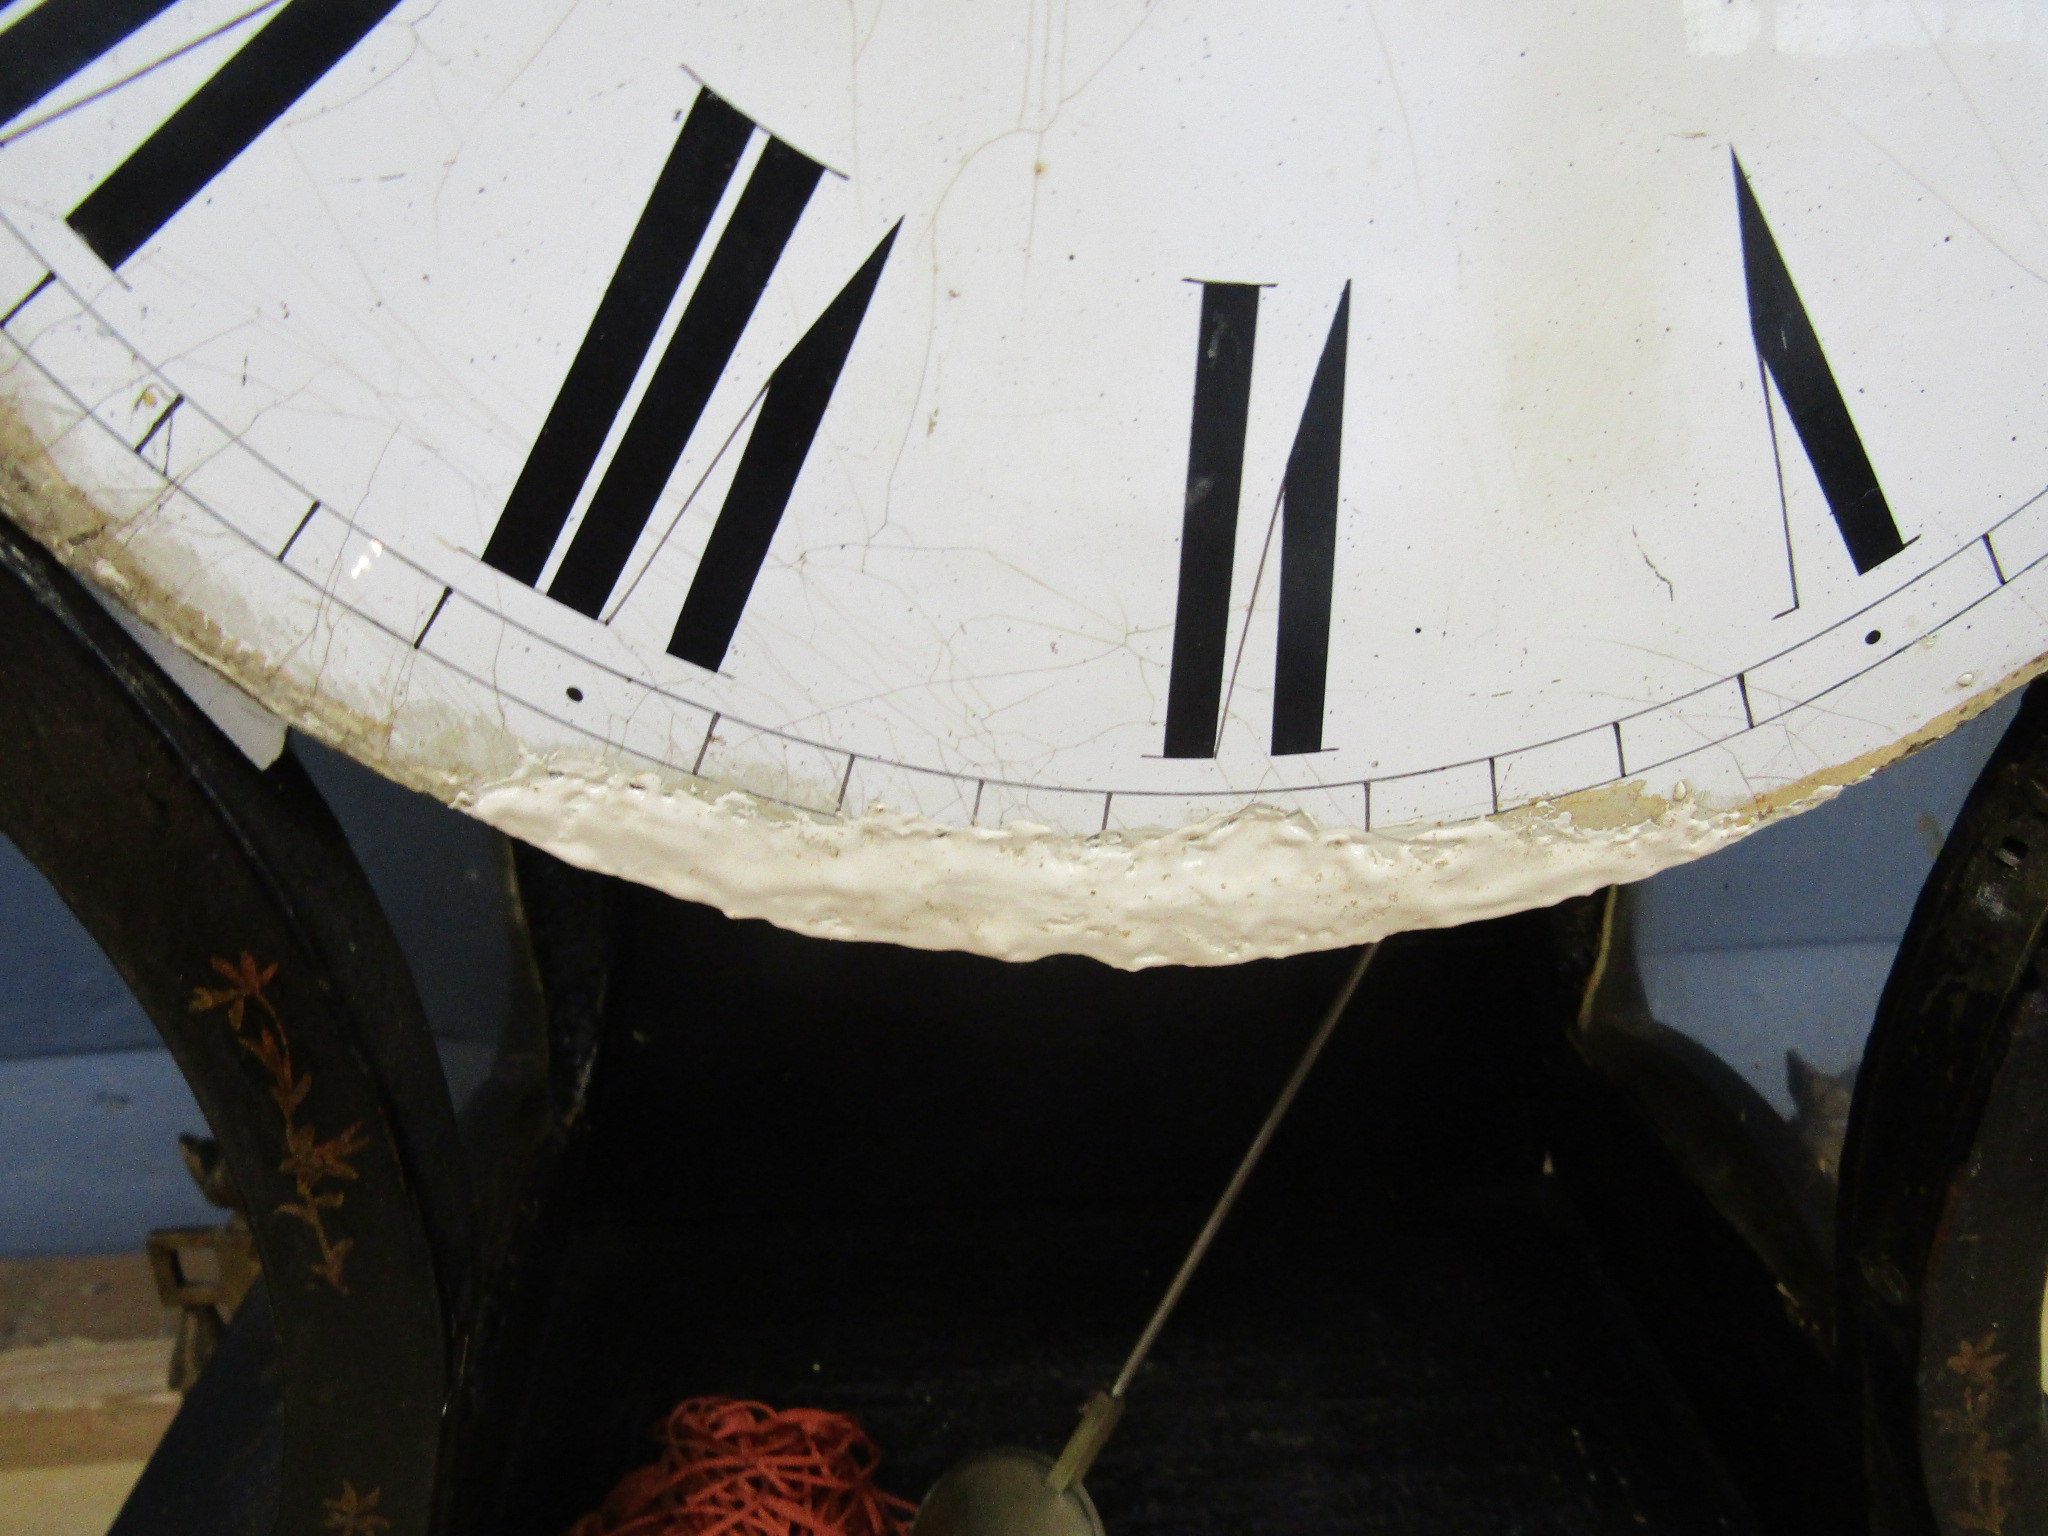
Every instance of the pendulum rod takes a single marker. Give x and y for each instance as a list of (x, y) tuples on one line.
[(1099, 1418)]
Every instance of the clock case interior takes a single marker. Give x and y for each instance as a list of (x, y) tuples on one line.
[(942, 1193)]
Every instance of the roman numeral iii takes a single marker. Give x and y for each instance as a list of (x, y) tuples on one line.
[(252, 90), (1308, 532), (648, 277)]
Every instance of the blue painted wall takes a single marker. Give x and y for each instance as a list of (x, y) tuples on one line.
[(1784, 941), (91, 1104)]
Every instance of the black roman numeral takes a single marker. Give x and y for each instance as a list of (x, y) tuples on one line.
[(57, 39), (648, 276), (252, 90), (798, 392), (1208, 525), (1307, 514), (1787, 346), (1308, 550)]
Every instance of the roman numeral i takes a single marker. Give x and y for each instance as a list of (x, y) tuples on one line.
[(649, 275), (1307, 514), (1788, 350), (248, 93)]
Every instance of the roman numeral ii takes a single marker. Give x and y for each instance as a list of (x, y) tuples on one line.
[(252, 90), (1308, 532), (647, 279)]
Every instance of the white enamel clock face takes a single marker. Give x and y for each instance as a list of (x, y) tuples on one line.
[(1167, 479)]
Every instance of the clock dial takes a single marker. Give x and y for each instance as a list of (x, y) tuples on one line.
[(1135, 479)]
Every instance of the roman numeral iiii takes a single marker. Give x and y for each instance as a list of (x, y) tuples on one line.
[(649, 275), (252, 90), (1308, 532)]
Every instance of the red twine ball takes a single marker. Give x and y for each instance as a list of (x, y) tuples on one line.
[(731, 1468)]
